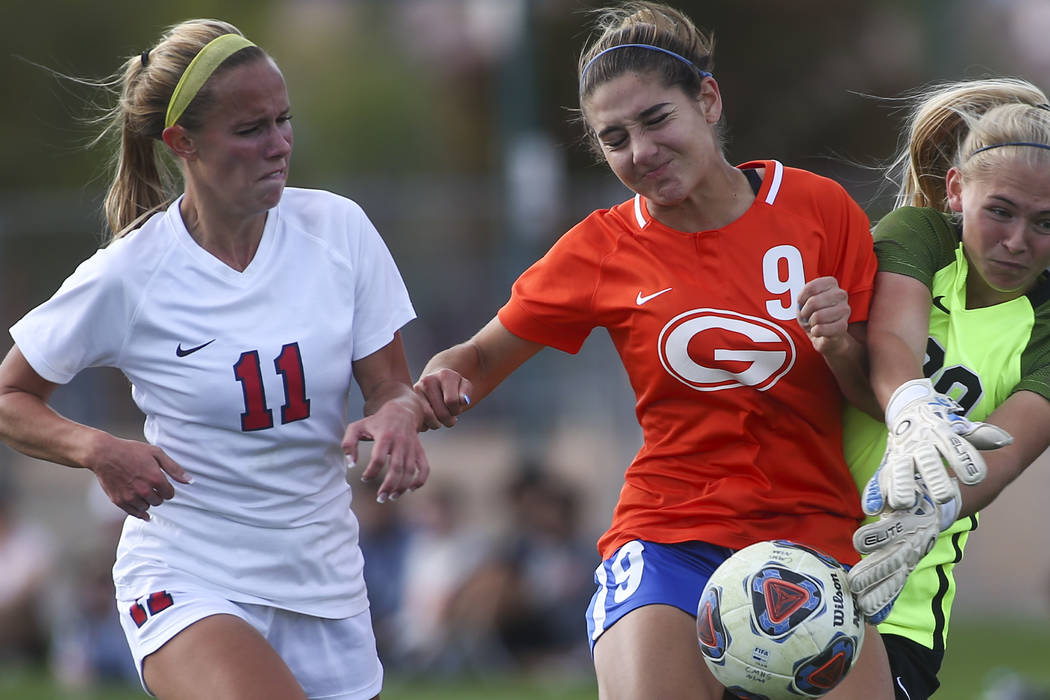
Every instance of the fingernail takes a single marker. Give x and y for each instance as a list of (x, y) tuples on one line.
[(381, 498), (350, 463), (465, 399), (394, 496)]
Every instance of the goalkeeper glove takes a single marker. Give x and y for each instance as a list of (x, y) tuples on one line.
[(893, 546), (928, 429)]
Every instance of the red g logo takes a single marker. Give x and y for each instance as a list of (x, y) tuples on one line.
[(730, 349)]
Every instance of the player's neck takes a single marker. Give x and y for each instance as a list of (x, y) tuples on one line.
[(719, 201), (233, 240)]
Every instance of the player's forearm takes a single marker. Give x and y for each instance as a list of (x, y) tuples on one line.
[(892, 364), (466, 360), (30, 426), (1026, 416), (484, 361), (849, 366), (394, 394), (1004, 466)]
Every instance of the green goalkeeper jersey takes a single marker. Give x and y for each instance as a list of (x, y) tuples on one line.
[(978, 357)]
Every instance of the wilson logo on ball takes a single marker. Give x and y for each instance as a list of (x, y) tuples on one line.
[(715, 349)]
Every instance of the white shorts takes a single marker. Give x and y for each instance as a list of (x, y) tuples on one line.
[(331, 659)]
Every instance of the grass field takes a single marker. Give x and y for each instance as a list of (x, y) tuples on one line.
[(979, 653)]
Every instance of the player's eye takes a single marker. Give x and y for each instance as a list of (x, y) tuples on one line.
[(657, 119), (611, 143)]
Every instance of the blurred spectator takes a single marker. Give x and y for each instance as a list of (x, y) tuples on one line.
[(443, 553), (1008, 684), (483, 605), (384, 539), (88, 644), (542, 576), (26, 562)]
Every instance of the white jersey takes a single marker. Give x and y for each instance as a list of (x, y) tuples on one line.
[(244, 379)]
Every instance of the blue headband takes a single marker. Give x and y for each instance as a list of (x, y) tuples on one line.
[(1033, 144), (683, 59)]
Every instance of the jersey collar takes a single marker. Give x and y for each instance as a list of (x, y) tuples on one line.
[(770, 184)]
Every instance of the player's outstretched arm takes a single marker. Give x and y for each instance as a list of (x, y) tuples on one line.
[(894, 544), (457, 378), (393, 419), (1025, 415), (927, 433), (133, 474), (898, 327)]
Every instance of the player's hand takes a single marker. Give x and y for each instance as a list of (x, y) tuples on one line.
[(445, 394), (823, 312), (394, 430), (893, 546), (134, 474), (926, 431)]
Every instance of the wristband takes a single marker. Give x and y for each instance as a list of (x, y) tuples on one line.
[(905, 394), (949, 513)]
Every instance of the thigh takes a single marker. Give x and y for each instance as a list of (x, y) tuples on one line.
[(652, 652), (220, 656), (870, 676)]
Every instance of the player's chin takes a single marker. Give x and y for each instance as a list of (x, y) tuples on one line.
[(270, 191), (665, 198)]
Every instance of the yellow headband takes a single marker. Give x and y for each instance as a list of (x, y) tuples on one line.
[(200, 69)]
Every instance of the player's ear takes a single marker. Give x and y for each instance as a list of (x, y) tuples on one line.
[(953, 188), (179, 141), (710, 99)]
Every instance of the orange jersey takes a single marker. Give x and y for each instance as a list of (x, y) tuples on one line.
[(741, 417)]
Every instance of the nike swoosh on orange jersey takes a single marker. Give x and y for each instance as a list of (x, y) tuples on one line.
[(641, 299)]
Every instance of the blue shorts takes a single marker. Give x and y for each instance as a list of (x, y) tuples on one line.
[(649, 573)]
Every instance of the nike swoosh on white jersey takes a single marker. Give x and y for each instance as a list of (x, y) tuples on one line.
[(640, 299)]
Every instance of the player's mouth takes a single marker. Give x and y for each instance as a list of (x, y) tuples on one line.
[(1009, 268), (278, 174), (657, 172)]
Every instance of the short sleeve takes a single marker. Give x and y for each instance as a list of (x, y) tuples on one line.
[(382, 304), (83, 325), (552, 302), (1035, 360), (916, 242), (856, 266)]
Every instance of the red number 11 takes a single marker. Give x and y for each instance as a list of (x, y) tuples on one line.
[(248, 371)]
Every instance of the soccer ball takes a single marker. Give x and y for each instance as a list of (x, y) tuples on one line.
[(777, 620)]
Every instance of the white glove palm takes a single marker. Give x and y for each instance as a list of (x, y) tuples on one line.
[(893, 546), (927, 430)]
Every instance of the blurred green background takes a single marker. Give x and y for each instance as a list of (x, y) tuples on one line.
[(452, 123)]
